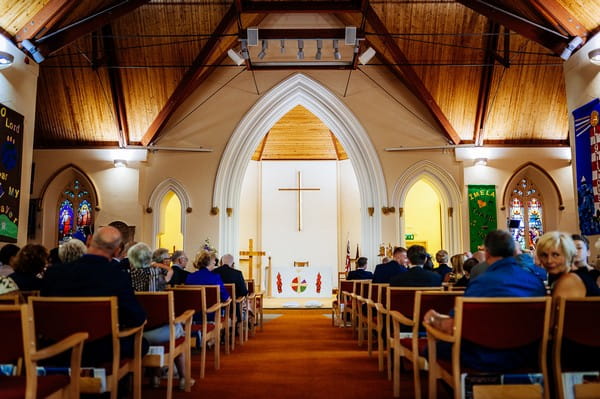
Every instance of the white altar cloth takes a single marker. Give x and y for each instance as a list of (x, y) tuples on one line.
[(301, 282)]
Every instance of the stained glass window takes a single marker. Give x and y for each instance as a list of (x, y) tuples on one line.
[(75, 211), (526, 221)]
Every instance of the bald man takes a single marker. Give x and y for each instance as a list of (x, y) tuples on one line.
[(95, 275)]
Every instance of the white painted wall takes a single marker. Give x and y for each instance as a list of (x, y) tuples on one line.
[(349, 215), (317, 241), (18, 88)]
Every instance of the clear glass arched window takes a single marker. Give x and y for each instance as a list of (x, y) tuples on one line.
[(170, 234), (526, 214), (75, 211)]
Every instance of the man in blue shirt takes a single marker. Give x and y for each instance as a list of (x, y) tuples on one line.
[(504, 278)]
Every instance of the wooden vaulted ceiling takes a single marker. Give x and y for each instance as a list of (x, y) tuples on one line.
[(116, 70)]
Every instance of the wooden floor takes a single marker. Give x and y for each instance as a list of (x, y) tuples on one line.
[(298, 355)]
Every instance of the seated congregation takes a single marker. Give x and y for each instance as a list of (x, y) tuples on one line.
[(124, 311), (501, 323)]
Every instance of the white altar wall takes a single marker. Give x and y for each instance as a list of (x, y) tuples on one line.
[(318, 240), (250, 218)]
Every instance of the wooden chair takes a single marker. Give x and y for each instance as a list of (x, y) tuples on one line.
[(375, 319), (237, 325), (18, 347), (401, 300), (343, 309), (11, 298), (357, 290), (255, 304), (301, 264), (497, 324), (160, 311), (58, 317), (362, 322), (577, 323), (204, 299), (411, 347)]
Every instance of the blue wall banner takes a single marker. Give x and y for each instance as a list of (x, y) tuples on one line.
[(11, 152), (587, 162)]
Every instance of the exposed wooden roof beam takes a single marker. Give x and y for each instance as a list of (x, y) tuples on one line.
[(116, 87), (54, 41), (45, 19), (411, 79), (299, 6), (559, 17), (552, 41), (197, 73), (487, 73)]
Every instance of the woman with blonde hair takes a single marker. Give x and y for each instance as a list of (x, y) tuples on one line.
[(555, 251)]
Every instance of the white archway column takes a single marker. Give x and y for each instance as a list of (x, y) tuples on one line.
[(299, 90), (450, 197)]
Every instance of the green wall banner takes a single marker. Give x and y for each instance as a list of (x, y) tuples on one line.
[(482, 213), (11, 152)]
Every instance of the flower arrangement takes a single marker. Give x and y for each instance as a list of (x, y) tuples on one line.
[(208, 247)]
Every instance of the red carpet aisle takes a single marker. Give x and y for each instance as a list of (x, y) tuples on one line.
[(298, 355)]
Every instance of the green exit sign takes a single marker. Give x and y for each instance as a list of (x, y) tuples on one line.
[(409, 237)]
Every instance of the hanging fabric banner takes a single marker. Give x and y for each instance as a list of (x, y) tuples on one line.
[(482, 213), (587, 162), (11, 137)]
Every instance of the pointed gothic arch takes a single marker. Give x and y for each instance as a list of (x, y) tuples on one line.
[(51, 195), (448, 193), (156, 199), (552, 197), (299, 89)]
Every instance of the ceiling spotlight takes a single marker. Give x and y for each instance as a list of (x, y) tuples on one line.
[(480, 162), (235, 57), (594, 56), (263, 52), (336, 50), (300, 49), (120, 163), (365, 57), (573, 44), (282, 46), (245, 53), (6, 60), (319, 47)]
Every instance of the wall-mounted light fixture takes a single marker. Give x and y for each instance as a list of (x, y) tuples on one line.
[(235, 57), (300, 49), (594, 56), (120, 163), (480, 162), (33, 51), (6, 60), (365, 57)]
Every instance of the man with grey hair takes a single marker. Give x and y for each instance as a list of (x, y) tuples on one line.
[(95, 275), (71, 250), (179, 274), (231, 276)]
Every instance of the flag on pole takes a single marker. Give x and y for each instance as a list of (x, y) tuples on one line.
[(357, 252), (348, 257)]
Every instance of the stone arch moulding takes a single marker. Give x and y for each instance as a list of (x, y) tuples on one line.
[(48, 203), (450, 197), (521, 169), (299, 89), (77, 169), (156, 198)]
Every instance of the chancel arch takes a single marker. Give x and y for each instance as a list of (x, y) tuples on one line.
[(69, 201), (443, 184), (299, 89), (532, 203), (169, 200)]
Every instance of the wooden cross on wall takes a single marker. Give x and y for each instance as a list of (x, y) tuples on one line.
[(250, 253), (299, 190)]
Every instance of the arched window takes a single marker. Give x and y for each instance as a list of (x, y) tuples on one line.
[(526, 216), (75, 210), (170, 235)]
